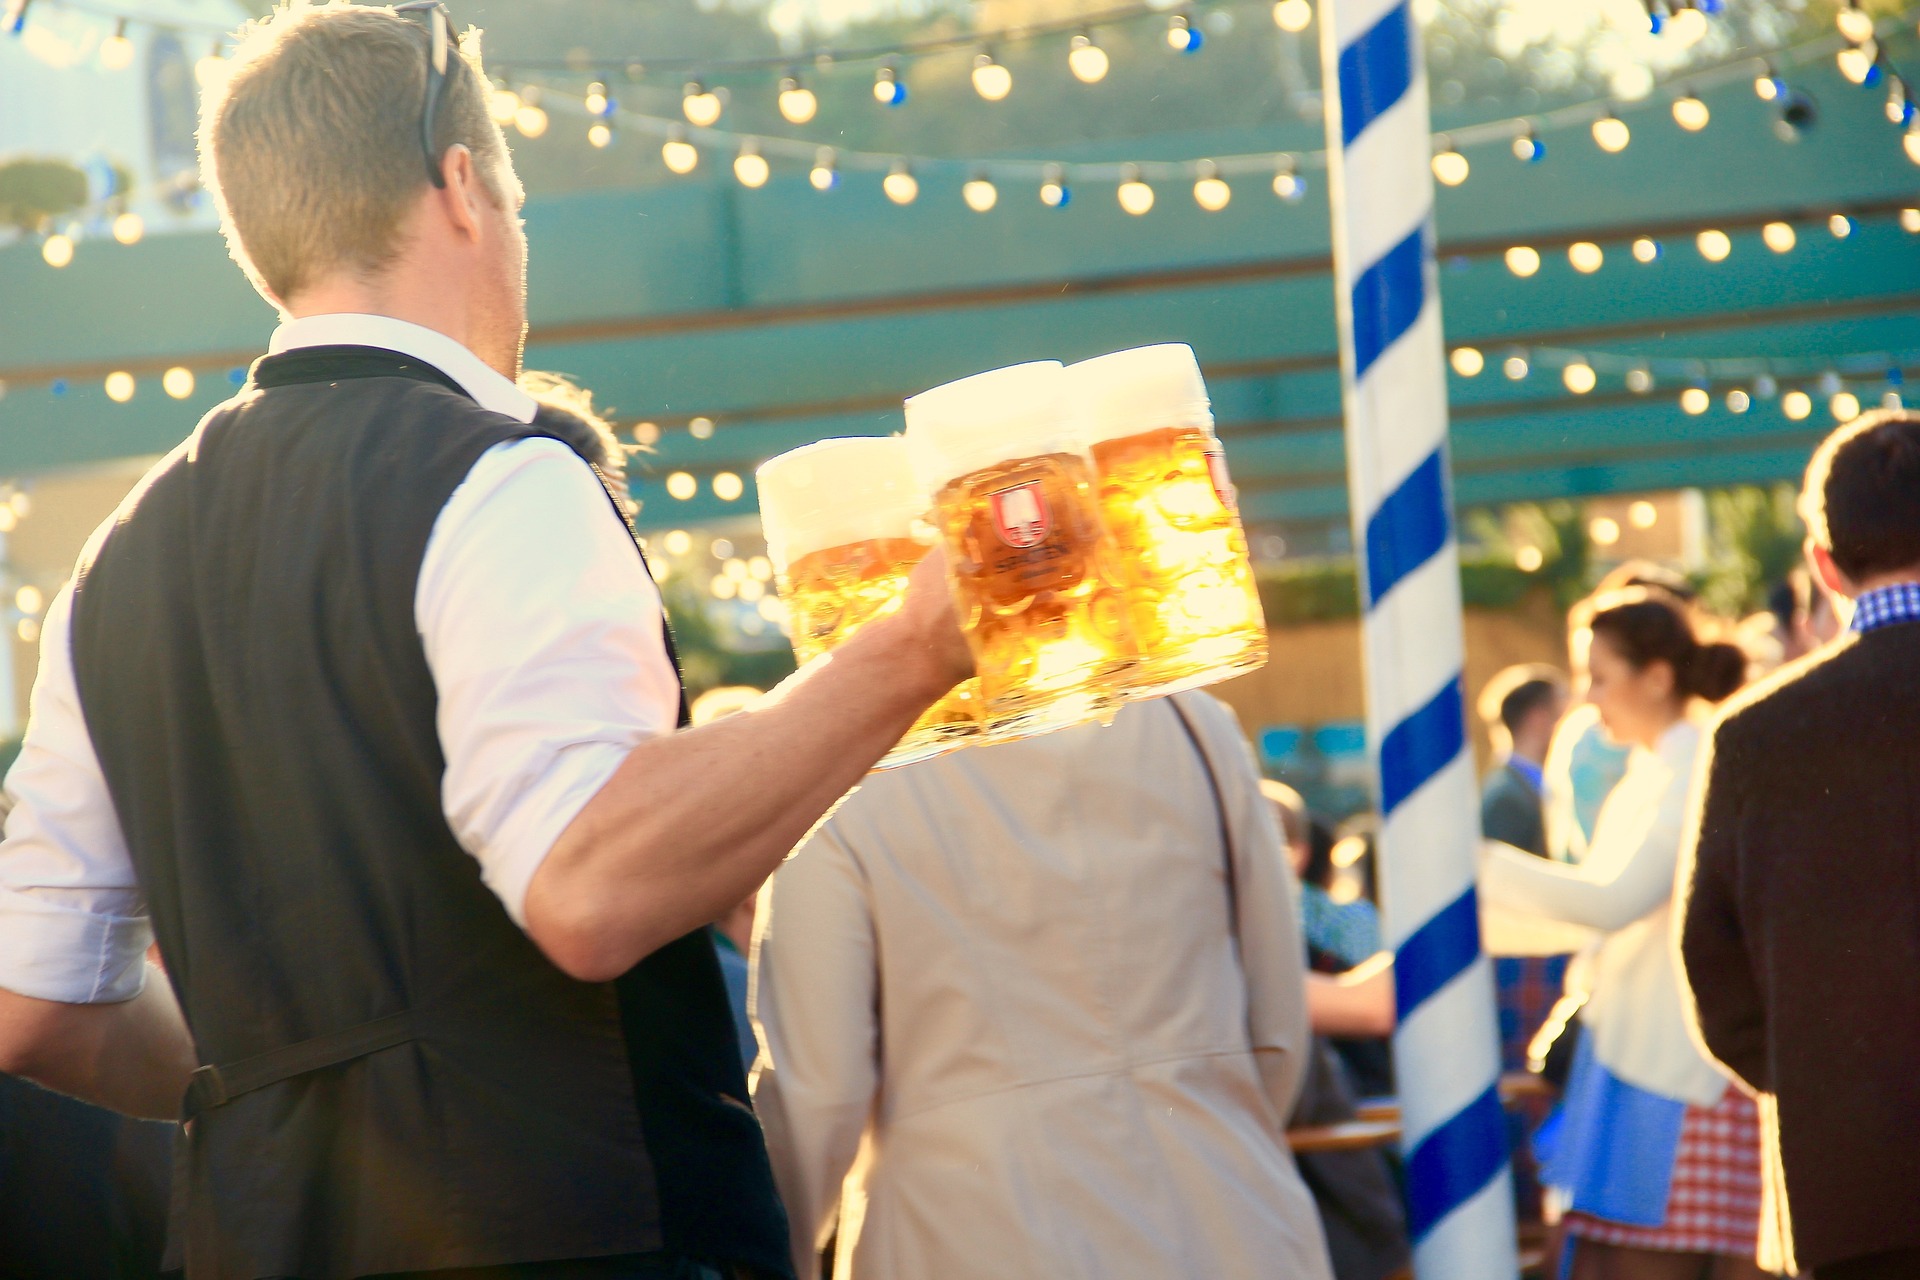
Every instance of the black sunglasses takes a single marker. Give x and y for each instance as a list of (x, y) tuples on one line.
[(439, 41)]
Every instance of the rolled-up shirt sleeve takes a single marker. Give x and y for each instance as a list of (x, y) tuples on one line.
[(73, 922), (543, 632)]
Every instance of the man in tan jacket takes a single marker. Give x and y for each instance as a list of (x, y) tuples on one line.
[(1037, 1010)]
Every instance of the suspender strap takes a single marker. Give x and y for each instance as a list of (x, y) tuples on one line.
[(1213, 769), (213, 1086)]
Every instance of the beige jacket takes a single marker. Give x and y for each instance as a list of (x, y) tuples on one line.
[(1005, 1028)]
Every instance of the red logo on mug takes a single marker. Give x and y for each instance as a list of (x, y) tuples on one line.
[(1217, 471), (1020, 515)]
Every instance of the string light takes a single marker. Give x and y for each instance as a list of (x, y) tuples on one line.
[(1856, 62), (177, 382), (1579, 378), (682, 486), (1585, 257), (1610, 132), (1778, 236), (129, 227), (1182, 35), (700, 428), (678, 154), (116, 51), (889, 90), (1854, 23), (991, 80), (1515, 367), (1687, 27), (1646, 249), (119, 386), (1690, 113), (1844, 406), (1529, 148), (57, 250), (728, 487), (899, 184), (1136, 197), (531, 118), (825, 174), (1899, 107), (700, 105), (503, 104), (1210, 192), (797, 102), (1054, 192), (1287, 184), (599, 134), (750, 167), (1293, 15), (1738, 401), (597, 103), (1086, 60), (13, 20), (1910, 221), (211, 71), (1767, 86), (1523, 260), (980, 193), (1695, 400), (1912, 139), (1449, 167), (1467, 361), (1639, 380), (1796, 405), (1714, 245), (1840, 225)]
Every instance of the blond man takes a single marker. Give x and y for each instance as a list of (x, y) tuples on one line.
[(363, 705)]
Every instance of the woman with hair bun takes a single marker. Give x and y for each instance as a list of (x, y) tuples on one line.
[(1654, 1154)]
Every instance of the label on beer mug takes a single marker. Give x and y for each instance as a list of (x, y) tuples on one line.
[(1020, 515)]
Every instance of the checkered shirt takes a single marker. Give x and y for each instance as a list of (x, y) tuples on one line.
[(1885, 606)]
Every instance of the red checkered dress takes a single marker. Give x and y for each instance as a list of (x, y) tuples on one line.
[(1713, 1203)]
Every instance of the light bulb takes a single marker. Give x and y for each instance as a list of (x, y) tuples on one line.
[(750, 167), (503, 104), (1054, 192), (797, 103), (700, 105), (1529, 148), (129, 227), (1515, 367), (1778, 236), (598, 134), (177, 382), (1586, 256), (1086, 60), (1288, 185), (825, 174), (1844, 406), (596, 101), (1898, 108), (1182, 35), (1695, 400), (1135, 196), (530, 120), (1639, 381), (211, 71), (1646, 249), (1579, 378), (1738, 401), (678, 154), (29, 599), (1467, 361), (1854, 23), (57, 249), (682, 486), (728, 487), (1643, 515), (1528, 559), (1840, 225), (1910, 221), (1855, 62), (1690, 113), (991, 80), (889, 90), (116, 51), (1714, 245), (1610, 132), (1449, 166), (1766, 86), (1293, 15), (1911, 141), (119, 386), (700, 428), (1687, 27), (1212, 194), (1523, 260), (1796, 404), (900, 185), (980, 193)]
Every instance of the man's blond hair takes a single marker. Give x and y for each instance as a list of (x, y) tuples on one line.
[(311, 145)]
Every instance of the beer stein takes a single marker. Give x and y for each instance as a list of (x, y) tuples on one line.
[(1014, 500), (1165, 499), (839, 518)]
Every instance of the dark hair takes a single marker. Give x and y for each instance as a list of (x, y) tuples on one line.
[(1646, 625), (1861, 500), (1320, 844), (1516, 692)]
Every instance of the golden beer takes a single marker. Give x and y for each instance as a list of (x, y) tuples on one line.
[(1026, 552), (1165, 499), (840, 517)]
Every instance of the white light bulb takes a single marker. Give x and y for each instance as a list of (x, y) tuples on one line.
[(797, 103), (1293, 15), (530, 120), (888, 89), (682, 486), (210, 72), (1778, 236), (1646, 249), (991, 80), (129, 227), (503, 105), (679, 155), (750, 167), (1738, 401), (1515, 367), (1523, 260), (728, 487), (599, 135), (1714, 245), (119, 386), (1687, 27), (1796, 404), (1610, 132), (1450, 167), (1289, 186), (701, 106), (596, 99), (1086, 60), (824, 175), (1911, 141), (1695, 400), (1467, 361), (1639, 381), (1910, 220), (1855, 62), (1212, 194), (116, 51), (1854, 23), (900, 185), (1585, 256), (1690, 113), (1766, 86), (1844, 406), (1579, 378), (1135, 196), (177, 382), (1840, 225), (980, 194), (57, 250)]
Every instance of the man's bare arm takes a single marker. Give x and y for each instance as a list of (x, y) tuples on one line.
[(692, 822), (1356, 1003), (134, 1056)]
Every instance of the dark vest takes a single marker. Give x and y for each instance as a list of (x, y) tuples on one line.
[(255, 686)]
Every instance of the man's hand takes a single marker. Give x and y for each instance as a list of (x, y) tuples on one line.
[(134, 1056), (930, 609)]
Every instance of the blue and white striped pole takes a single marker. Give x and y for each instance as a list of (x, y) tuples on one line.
[(1393, 375)]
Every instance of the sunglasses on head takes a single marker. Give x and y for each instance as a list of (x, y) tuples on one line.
[(439, 44)]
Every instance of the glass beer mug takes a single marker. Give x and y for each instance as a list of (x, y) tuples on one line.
[(1013, 497), (1170, 510), (839, 518)]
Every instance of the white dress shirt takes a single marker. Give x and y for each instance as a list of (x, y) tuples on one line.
[(543, 634)]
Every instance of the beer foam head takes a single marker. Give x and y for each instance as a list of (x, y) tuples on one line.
[(959, 427), (834, 493), (1142, 389)]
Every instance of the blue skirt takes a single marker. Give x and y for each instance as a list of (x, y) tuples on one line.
[(1610, 1147)]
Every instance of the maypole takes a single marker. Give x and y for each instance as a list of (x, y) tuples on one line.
[(1446, 1047)]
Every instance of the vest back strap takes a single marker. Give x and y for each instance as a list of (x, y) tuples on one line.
[(213, 1086)]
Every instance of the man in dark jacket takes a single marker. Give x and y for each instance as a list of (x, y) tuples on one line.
[(1801, 928)]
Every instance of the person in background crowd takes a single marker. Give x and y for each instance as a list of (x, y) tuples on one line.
[(1019, 1030), (1339, 935), (1582, 766), (1656, 1151), (1520, 707), (1800, 931)]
